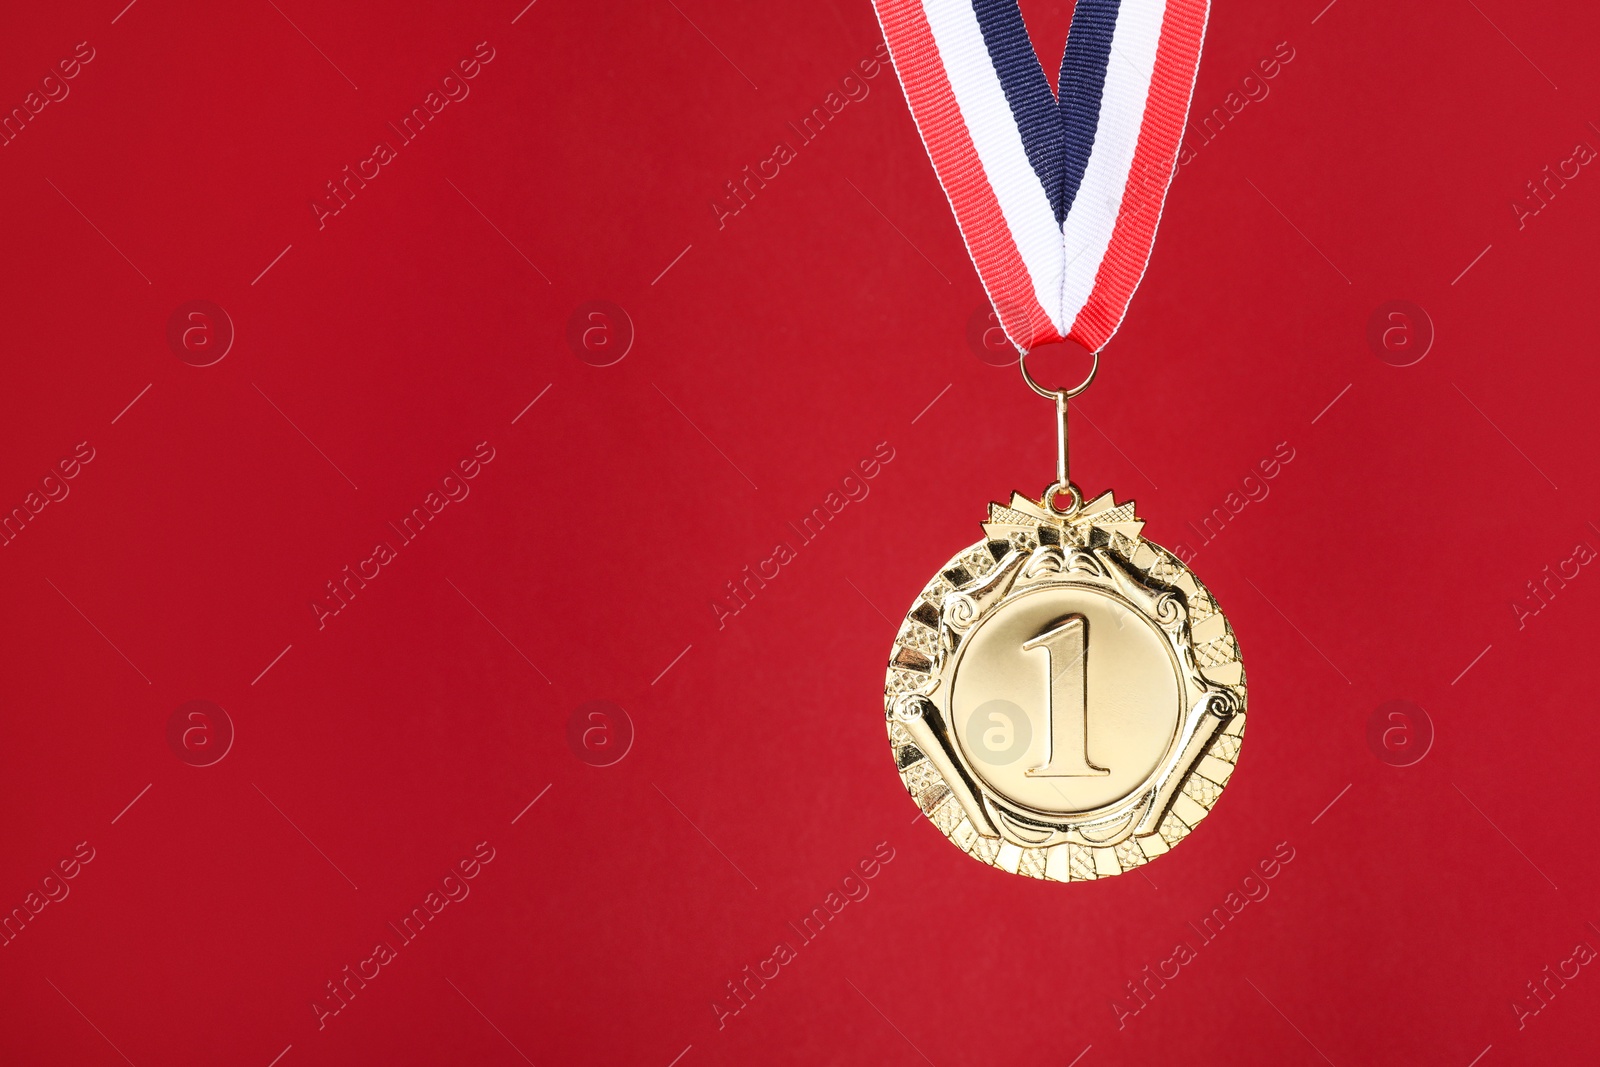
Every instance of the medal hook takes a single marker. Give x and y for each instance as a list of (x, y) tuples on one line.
[(1063, 484), (1051, 394)]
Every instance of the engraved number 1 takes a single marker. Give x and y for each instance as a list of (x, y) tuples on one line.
[(1067, 707)]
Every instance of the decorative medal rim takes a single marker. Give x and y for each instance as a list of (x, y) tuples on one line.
[(1099, 547)]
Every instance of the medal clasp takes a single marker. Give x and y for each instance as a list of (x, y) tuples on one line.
[(1062, 486)]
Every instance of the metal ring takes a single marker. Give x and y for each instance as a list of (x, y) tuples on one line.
[(1069, 489), (1052, 394)]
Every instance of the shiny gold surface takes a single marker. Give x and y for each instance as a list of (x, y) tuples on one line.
[(1065, 700), (1127, 711)]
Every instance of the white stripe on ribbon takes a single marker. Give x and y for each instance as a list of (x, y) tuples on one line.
[(1087, 231)]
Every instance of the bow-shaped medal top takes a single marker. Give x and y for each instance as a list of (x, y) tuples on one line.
[(1057, 197)]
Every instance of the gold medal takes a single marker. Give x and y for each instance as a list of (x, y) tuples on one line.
[(1065, 699)]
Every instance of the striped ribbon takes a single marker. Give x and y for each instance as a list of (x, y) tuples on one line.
[(1057, 195)]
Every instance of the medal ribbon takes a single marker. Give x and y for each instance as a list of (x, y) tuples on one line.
[(1057, 197)]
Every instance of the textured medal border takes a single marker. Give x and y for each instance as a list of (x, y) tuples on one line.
[(920, 652)]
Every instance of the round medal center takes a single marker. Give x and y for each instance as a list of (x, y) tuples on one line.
[(1065, 699)]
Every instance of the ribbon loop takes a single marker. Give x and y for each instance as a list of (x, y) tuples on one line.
[(1057, 195)]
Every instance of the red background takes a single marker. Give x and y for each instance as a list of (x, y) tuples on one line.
[(820, 320)]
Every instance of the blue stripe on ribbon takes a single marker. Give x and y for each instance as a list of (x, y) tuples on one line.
[(1033, 105), (1083, 80), (1058, 136)]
